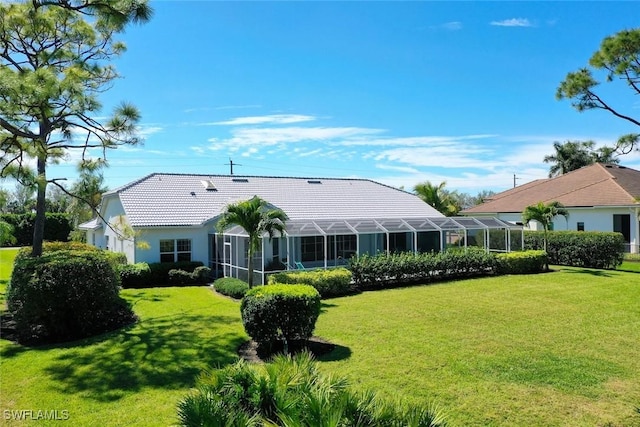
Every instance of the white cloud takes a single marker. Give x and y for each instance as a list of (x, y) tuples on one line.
[(147, 130), (258, 120), (398, 168), (286, 135), (447, 26), (513, 22)]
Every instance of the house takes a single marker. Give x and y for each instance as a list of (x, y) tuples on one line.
[(330, 220), (599, 197)]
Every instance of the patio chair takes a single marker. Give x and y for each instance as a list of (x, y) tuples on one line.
[(300, 266)]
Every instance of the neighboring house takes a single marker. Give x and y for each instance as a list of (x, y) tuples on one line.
[(330, 220), (599, 197)]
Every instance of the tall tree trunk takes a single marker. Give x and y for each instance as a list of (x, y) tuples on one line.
[(250, 263), (38, 227)]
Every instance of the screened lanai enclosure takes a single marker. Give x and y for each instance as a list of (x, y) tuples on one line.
[(325, 243)]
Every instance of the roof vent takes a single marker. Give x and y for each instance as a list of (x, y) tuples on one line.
[(193, 193), (239, 180), (314, 181), (208, 185)]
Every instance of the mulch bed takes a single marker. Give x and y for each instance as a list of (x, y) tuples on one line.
[(251, 352)]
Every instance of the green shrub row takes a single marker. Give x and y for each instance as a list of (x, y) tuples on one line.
[(527, 262), (593, 249), (385, 270), (231, 287), (199, 276), (65, 295), (292, 391), (334, 282), (56, 227), (143, 275), (284, 313)]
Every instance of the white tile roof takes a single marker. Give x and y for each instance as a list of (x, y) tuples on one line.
[(181, 200)]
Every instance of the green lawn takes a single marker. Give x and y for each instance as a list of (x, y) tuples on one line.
[(549, 349), (7, 256), (633, 266)]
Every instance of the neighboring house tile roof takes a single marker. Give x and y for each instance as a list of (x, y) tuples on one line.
[(594, 185), (182, 200)]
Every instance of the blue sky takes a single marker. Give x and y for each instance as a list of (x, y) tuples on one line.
[(398, 92)]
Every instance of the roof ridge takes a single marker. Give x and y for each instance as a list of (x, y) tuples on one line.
[(246, 176), (614, 178), (130, 184)]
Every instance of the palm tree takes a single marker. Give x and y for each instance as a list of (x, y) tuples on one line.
[(442, 200), (256, 217), (573, 155), (544, 214)]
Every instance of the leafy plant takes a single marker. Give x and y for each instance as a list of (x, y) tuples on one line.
[(291, 391), (329, 283), (232, 287), (594, 249), (399, 269), (526, 262), (65, 295), (284, 313)]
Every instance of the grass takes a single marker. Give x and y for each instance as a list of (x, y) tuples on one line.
[(133, 376), (548, 349), (7, 256), (631, 266)]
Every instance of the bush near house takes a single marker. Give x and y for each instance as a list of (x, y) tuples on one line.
[(591, 249), (399, 269), (56, 227), (292, 391), (280, 313), (65, 295), (199, 276), (231, 287), (334, 282), (143, 275), (526, 262)]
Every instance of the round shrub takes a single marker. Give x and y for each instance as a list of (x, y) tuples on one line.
[(286, 313), (134, 275), (201, 274), (231, 287), (65, 295)]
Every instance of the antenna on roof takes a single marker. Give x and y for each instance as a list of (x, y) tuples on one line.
[(514, 180), (231, 164)]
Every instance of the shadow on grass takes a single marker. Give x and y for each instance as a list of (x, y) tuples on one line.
[(592, 272), (167, 352), (339, 352)]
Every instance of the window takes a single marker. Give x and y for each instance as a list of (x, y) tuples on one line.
[(581, 226), (622, 224), (312, 248), (175, 250), (106, 240), (184, 250), (346, 246)]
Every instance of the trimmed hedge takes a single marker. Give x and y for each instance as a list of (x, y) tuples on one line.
[(132, 275), (56, 227), (231, 287), (275, 313), (527, 262), (399, 269), (65, 295), (199, 276), (157, 274), (334, 282), (593, 249)]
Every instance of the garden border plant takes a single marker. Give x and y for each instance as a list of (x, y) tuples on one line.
[(286, 314), (65, 295)]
